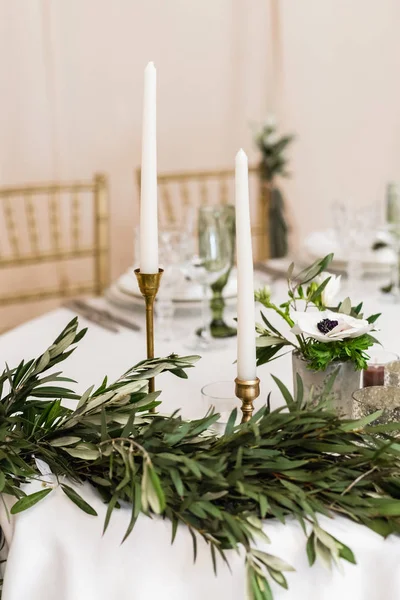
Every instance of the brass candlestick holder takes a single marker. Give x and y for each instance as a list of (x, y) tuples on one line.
[(247, 392), (148, 285)]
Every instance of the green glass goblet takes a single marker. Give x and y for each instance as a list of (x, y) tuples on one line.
[(221, 219)]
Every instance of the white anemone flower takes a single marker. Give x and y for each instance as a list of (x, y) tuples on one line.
[(328, 326), (332, 288)]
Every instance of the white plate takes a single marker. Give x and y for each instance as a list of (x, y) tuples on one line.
[(187, 291), (129, 302), (129, 297)]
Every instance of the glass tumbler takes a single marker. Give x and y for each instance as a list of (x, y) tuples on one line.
[(220, 397), (392, 373), (378, 398), (378, 361)]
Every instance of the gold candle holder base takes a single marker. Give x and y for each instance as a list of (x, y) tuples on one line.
[(148, 285), (247, 392)]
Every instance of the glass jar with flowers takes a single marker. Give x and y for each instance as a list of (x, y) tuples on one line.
[(329, 339)]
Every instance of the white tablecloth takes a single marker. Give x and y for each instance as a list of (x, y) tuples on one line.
[(56, 552)]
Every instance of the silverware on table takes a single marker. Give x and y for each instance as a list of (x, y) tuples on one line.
[(90, 315), (106, 314), (121, 321)]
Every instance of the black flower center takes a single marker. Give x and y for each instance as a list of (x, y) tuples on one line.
[(326, 325)]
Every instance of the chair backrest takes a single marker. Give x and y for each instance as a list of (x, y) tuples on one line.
[(181, 191), (57, 226)]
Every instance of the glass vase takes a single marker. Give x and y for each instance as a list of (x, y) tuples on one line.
[(346, 382), (221, 219)]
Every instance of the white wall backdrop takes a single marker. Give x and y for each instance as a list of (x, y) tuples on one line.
[(341, 95), (71, 90), (71, 93)]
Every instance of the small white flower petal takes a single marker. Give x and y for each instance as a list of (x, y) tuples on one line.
[(332, 288), (296, 330)]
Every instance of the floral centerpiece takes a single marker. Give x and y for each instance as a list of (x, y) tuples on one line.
[(327, 337), (273, 164)]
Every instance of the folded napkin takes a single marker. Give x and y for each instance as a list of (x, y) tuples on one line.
[(184, 290)]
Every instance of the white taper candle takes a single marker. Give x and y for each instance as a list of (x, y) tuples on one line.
[(246, 337), (148, 191)]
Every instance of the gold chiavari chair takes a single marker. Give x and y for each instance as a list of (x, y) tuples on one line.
[(179, 191), (56, 226)]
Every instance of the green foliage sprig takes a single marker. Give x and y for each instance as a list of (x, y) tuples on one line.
[(305, 291), (302, 462), (272, 148)]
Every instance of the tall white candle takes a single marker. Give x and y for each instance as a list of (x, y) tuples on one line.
[(246, 337), (148, 192)]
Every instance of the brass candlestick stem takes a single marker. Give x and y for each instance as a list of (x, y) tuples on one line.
[(247, 392), (148, 285)]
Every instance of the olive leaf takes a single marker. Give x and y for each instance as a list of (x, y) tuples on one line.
[(66, 440), (28, 501), (78, 500), (270, 340)]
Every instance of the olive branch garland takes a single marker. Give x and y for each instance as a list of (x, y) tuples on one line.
[(300, 462)]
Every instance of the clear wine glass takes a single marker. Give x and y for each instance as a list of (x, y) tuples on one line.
[(206, 266), (356, 230), (173, 244)]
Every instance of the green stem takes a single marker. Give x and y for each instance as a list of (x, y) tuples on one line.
[(281, 313), (302, 343), (293, 290)]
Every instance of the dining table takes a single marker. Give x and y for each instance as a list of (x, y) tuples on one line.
[(54, 551)]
